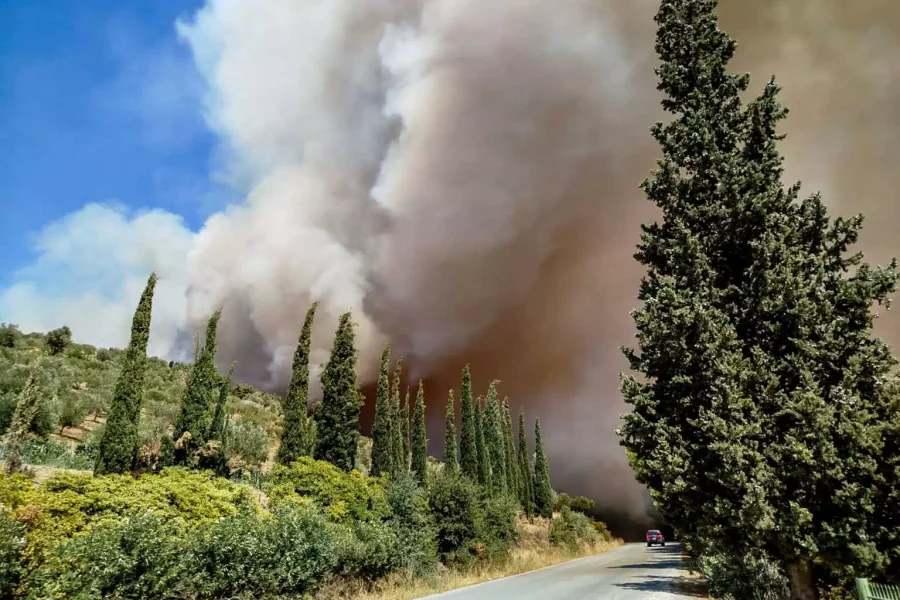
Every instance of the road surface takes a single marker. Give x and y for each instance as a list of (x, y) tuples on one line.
[(631, 572)]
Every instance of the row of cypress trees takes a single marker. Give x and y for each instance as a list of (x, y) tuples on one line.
[(487, 453)]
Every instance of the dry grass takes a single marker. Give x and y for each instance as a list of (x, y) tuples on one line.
[(531, 552)]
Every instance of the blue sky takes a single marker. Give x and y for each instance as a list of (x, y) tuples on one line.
[(99, 103)]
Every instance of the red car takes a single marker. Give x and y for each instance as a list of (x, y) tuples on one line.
[(654, 536)]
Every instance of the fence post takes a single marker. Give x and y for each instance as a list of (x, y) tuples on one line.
[(862, 589)]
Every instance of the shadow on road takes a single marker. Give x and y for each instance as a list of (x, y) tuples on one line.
[(666, 557), (689, 588)]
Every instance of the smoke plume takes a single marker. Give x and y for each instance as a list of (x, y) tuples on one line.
[(463, 175)]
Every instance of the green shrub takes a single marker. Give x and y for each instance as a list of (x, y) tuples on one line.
[(454, 505), (59, 339), (411, 521), (572, 529), (9, 335), (72, 504), (747, 576), (54, 454), (499, 531), (12, 542), (247, 556), (576, 503), (247, 441), (137, 559), (343, 496), (602, 530)]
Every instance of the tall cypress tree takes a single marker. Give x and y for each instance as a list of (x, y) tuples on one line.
[(494, 444), (295, 437), (419, 440), (202, 385), (399, 465), (526, 490), (468, 450), (23, 416), (404, 430), (759, 409), (481, 451), (217, 428), (450, 461), (543, 492), (512, 466), (337, 423), (382, 435), (119, 444)]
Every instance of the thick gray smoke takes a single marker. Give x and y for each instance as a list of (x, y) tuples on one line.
[(463, 176)]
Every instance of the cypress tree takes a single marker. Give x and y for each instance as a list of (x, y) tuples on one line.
[(337, 423), (543, 491), (494, 444), (119, 444), (294, 438), (194, 419), (484, 461), (450, 461), (404, 431), (468, 450), (217, 429), (526, 490), (509, 451), (23, 416), (419, 440), (760, 402), (397, 461), (382, 435)]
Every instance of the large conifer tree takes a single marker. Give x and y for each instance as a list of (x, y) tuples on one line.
[(450, 452), (481, 451), (26, 410), (217, 428), (382, 434), (758, 422), (337, 420), (526, 490), (404, 430), (543, 491), (203, 383), (468, 450), (493, 442), (119, 444), (509, 452), (399, 465), (295, 436), (419, 441)]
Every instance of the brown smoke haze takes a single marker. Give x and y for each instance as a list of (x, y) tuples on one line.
[(463, 175)]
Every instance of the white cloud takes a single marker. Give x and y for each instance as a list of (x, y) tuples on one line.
[(90, 269)]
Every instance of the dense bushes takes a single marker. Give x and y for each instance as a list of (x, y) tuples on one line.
[(747, 576), (572, 529), (344, 496), (454, 503), (12, 542)]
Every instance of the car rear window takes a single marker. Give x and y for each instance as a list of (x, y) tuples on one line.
[(653, 532)]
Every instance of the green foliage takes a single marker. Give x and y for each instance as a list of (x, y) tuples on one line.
[(343, 496), (759, 412), (526, 491), (337, 422), (450, 461), (139, 558), (454, 503), (481, 449), (495, 447), (419, 440), (411, 522), (382, 457), (9, 335), (20, 424), (404, 431), (58, 340), (509, 453), (194, 420), (247, 442), (364, 455), (750, 576), (498, 530), (576, 503), (217, 427), (572, 529), (397, 460), (468, 449), (543, 491), (54, 454), (296, 437), (12, 542), (119, 445), (69, 505)]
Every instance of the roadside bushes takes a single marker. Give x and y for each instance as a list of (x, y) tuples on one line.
[(454, 505), (12, 542), (743, 576), (572, 529)]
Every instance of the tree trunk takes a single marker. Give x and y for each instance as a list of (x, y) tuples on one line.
[(800, 576)]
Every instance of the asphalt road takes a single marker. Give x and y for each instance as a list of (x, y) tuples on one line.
[(631, 572)]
